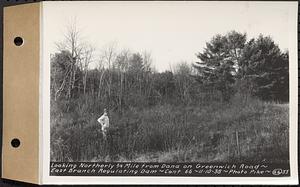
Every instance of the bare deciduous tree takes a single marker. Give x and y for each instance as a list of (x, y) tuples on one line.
[(86, 59), (108, 56), (122, 63), (101, 69), (72, 43)]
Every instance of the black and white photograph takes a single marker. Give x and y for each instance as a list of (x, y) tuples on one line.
[(169, 83)]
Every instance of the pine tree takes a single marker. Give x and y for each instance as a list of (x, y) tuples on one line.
[(219, 61), (266, 67)]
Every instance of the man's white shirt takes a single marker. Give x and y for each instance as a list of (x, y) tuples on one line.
[(104, 121)]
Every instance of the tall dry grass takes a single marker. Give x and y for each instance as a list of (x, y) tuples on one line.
[(240, 130)]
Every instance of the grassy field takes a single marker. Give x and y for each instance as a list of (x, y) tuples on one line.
[(216, 132)]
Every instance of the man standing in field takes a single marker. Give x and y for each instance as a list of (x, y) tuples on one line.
[(104, 122)]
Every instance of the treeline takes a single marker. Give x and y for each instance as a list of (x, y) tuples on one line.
[(129, 82), (228, 64)]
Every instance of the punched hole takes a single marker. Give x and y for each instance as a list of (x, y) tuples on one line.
[(18, 41), (15, 142)]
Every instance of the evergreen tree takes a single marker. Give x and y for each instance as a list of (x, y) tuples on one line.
[(267, 67), (219, 62), (258, 65)]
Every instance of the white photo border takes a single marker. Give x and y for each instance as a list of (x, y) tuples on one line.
[(45, 177)]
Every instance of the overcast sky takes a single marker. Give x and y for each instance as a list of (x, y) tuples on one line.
[(171, 31)]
